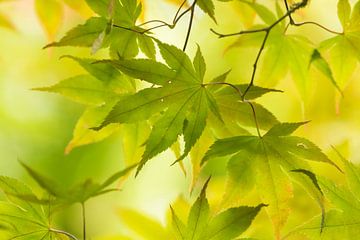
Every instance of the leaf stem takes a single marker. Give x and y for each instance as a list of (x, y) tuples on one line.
[(293, 23), (267, 31), (255, 118), (318, 25), (225, 83), (243, 100), (192, 12), (63, 233), (255, 64)]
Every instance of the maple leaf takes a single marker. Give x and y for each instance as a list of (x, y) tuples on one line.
[(267, 158), (343, 50), (342, 220), (79, 193), (99, 91), (226, 225), (50, 14), (116, 21), (21, 218), (283, 52), (182, 95)]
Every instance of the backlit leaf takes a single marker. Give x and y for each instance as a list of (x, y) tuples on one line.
[(50, 13)]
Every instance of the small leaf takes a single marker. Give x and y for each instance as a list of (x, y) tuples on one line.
[(208, 7), (142, 225), (82, 35), (231, 223), (323, 66), (284, 129), (84, 89), (92, 117), (344, 10), (198, 216), (199, 64), (5, 22), (147, 46), (178, 61), (46, 183), (102, 71), (146, 69), (50, 13), (178, 226)]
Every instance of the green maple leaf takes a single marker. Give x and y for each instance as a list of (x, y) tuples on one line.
[(342, 220), (266, 160), (343, 50), (79, 193), (103, 85), (226, 225), (208, 7), (114, 28), (235, 112), (99, 91), (182, 95), (20, 218)]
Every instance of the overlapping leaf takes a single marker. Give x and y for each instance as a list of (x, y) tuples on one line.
[(267, 158), (116, 21), (342, 221), (50, 14), (283, 52), (180, 92), (99, 91), (181, 95), (79, 193), (226, 225), (344, 50)]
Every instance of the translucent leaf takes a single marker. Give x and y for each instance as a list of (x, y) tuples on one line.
[(198, 216), (208, 7), (92, 117), (5, 22), (142, 225), (82, 35), (344, 10), (84, 89), (50, 14), (231, 223)]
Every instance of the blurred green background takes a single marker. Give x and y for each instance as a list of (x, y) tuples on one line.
[(35, 127)]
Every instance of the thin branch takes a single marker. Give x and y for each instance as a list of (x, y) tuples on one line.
[(318, 25), (255, 118), (63, 233), (241, 98), (287, 9), (154, 21), (293, 23), (221, 35), (178, 11), (225, 83), (267, 30), (255, 64), (190, 24)]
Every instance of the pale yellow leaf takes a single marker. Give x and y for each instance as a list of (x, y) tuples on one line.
[(50, 14)]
